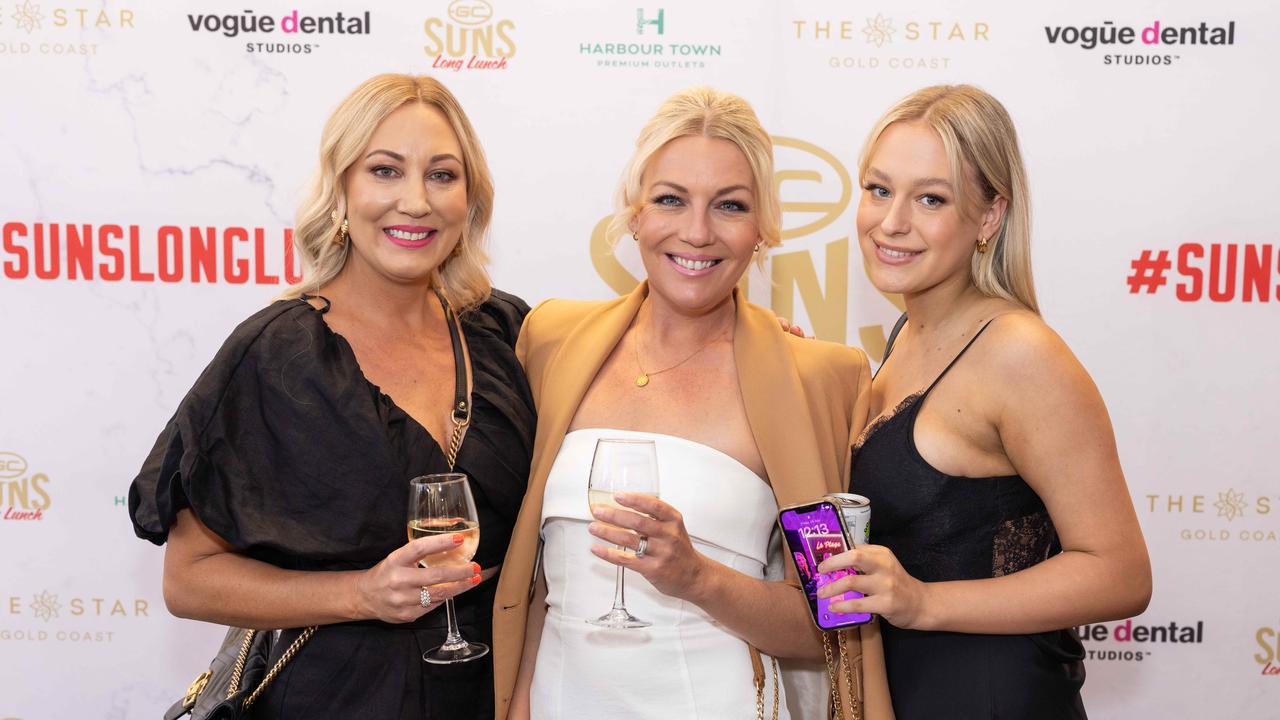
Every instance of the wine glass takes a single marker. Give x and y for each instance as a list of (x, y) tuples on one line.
[(621, 466), (442, 504)]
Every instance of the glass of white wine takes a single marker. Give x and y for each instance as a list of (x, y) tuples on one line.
[(621, 466), (441, 504)]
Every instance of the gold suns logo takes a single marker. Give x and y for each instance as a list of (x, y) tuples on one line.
[(471, 36), (23, 494), (814, 262)]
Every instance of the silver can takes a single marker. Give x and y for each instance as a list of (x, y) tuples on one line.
[(856, 512)]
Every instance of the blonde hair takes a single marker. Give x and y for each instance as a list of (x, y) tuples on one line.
[(462, 276), (706, 112), (982, 150)]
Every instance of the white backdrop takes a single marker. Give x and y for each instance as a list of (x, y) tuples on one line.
[(191, 131)]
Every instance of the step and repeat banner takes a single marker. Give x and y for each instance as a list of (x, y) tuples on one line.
[(153, 155)]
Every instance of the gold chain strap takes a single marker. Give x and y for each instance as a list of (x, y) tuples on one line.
[(855, 710), (760, 693), (455, 440), (243, 657)]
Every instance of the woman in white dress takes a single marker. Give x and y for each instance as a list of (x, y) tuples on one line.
[(745, 418)]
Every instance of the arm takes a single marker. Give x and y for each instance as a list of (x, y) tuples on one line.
[(520, 707), (204, 579), (737, 601), (1055, 431)]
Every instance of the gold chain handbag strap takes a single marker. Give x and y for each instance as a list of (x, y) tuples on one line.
[(461, 411), (243, 657), (759, 683), (855, 712)]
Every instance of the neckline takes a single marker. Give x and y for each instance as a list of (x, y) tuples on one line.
[(686, 441)]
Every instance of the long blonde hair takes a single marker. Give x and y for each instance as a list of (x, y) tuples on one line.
[(462, 277), (706, 112), (981, 145)]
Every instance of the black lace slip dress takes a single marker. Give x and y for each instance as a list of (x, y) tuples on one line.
[(942, 527), (286, 451)]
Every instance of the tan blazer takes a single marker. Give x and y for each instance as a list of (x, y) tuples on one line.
[(806, 401)]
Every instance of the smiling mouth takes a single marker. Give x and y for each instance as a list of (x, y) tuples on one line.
[(897, 253), (410, 238), (694, 265)]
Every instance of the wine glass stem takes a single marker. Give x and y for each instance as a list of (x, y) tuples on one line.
[(619, 592), (453, 641)]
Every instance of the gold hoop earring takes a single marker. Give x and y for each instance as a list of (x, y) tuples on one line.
[(982, 245), (343, 230)]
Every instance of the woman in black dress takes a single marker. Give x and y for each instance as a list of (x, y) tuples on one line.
[(281, 483), (1001, 518)]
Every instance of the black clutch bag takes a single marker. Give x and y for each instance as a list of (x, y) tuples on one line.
[(237, 676)]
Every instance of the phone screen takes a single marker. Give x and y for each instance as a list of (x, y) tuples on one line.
[(813, 534)]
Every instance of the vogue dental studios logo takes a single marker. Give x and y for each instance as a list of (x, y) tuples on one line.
[(47, 616), (813, 263), (35, 28), (471, 37), (24, 494), (1228, 515), (1130, 641), (289, 33), (1162, 43), (879, 42), (651, 39)]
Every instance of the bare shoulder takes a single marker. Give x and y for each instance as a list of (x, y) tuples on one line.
[(1025, 356)]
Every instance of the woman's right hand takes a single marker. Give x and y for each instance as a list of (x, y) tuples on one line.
[(391, 590)]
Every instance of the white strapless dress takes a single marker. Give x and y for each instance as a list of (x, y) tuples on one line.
[(685, 665)]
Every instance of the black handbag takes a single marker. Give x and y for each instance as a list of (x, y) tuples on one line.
[(236, 677)]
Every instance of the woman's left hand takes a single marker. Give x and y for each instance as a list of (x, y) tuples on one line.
[(669, 561), (891, 592)]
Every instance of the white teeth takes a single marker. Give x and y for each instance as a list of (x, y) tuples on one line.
[(693, 264), (895, 253), (411, 236)]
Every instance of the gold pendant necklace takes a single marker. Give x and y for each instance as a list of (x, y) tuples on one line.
[(643, 378)]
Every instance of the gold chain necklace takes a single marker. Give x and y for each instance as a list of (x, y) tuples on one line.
[(643, 378)]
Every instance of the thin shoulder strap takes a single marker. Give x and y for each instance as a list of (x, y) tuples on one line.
[(958, 356), (888, 348)]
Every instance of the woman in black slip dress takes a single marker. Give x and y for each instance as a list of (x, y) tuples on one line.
[(1001, 515), (281, 483)]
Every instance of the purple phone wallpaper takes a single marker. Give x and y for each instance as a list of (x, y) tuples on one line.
[(813, 534)]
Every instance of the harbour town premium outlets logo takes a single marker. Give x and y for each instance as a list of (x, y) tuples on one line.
[(290, 33), (471, 37), (30, 27), (651, 39), (1130, 641), (886, 42), (24, 495), (1162, 42), (1227, 516)]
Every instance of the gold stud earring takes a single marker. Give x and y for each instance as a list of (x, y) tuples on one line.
[(757, 248), (982, 245)]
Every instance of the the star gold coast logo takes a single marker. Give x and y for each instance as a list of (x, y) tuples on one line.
[(880, 41), (62, 618), (814, 262), (48, 29), (1223, 515), (24, 495)]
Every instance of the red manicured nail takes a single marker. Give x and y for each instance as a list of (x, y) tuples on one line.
[(475, 568), (457, 539), (475, 580)]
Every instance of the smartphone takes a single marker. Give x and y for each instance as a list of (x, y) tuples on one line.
[(814, 532)]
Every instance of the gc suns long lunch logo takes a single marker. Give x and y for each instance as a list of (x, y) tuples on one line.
[(24, 495), (1268, 656), (889, 42), (1228, 515), (470, 37), (35, 28), (1161, 43)]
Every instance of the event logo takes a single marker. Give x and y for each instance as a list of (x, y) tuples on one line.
[(25, 495), (56, 616), (1160, 38), (1220, 272), (813, 264), (650, 47), (169, 254), (890, 42), (1225, 516), (288, 27), (40, 28), (471, 38), (1269, 657), (1129, 642)]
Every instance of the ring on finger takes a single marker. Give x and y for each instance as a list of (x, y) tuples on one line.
[(642, 547), (424, 597)]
